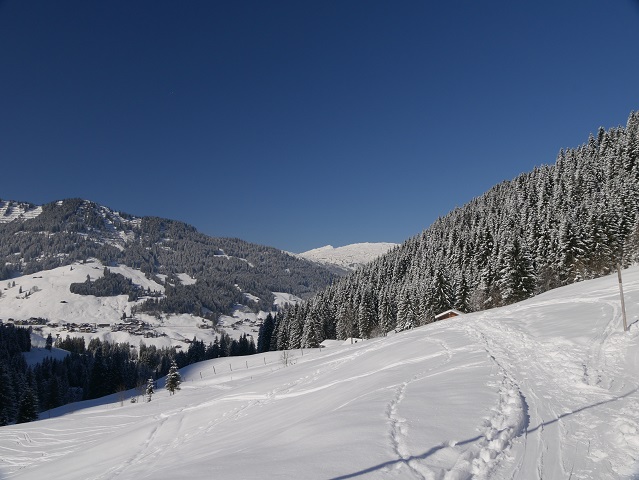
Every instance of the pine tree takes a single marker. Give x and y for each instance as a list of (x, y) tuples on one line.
[(386, 318), (252, 349), (225, 344), (462, 295), (173, 379), (327, 319), (98, 383), (346, 320), (28, 407), (7, 396), (311, 331), (50, 394), (366, 315), (274, 346), (405, 312), (442, 293), (265, 334), (422, 302), (517, 280), (295, 332), (571, 253), (150, 389)]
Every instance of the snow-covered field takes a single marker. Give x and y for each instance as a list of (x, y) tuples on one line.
[(47, 295), (547, 388)]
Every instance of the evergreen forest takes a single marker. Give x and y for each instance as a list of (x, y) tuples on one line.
[(574, 220), (89, 371), (75, 230)]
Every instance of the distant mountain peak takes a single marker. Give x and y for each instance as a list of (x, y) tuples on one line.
[(348, 257)]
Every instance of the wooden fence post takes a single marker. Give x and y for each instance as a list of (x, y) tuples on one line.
[(623, 305)]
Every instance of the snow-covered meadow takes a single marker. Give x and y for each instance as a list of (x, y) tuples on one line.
[(547, 388), (47, 295)]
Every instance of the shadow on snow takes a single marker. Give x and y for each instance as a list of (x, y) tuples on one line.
[(437, 448)]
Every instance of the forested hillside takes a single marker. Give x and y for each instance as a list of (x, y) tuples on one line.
[(556, 225), (88, 371), (33, 239)]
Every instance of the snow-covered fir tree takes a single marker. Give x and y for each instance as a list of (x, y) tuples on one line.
[(150, 389), (7, 396), (173, 379), (28, 407), (366, 315), (265, 334), (517, 276), (442, 293)]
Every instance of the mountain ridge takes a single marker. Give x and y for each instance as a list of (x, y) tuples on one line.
[(348, 257), (37, 238)]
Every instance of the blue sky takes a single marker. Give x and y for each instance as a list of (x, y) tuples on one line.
[(298, 124)]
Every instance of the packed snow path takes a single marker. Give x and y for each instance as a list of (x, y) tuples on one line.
[(545, 389)]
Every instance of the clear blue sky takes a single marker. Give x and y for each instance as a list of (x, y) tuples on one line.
[(298, 124)]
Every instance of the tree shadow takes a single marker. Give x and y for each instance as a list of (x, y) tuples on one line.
[(587, 407), (390, 463), (441, 446)]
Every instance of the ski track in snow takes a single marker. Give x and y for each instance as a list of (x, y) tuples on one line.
[(146, 452), (510, 418), (304, 385), (398, 426), (560, 413), (474, 457), (46, 444)]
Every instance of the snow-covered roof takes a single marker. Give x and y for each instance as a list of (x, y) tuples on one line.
[(447, 313)]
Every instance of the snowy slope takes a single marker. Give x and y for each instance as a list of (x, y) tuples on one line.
[(10, 211), (349, 257), (47, 295), (547, 388), (51, 298)]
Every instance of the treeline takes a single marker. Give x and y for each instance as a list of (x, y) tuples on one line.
[(89, 371), (202, 298), (110, 284), (75, 230), (556, 225), (16, 385), (266, 341)]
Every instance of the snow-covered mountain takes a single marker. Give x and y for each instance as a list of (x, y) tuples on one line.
[(546, 388), (222, 271), (10, 211), (185, 282), (348, 257), (44, 300)]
